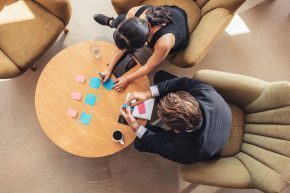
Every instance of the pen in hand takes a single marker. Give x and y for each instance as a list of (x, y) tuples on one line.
[(102, 76)]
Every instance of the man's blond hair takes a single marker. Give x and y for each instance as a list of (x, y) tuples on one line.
[(180, 109)]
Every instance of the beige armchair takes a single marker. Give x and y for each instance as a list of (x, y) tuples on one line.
[(207, 19), (258, 150), (27, 30)]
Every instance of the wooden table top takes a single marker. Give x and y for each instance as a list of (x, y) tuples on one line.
[(53, 99)]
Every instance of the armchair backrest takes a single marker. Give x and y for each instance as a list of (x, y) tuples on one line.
[(60, 8), (266, 145)]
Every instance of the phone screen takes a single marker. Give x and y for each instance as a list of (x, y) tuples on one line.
[(122, 120)]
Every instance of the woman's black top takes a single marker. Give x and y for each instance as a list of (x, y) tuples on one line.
[(178, 28)]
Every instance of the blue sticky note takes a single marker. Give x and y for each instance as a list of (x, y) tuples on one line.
[(90, 99), (95, 82), (125, 106), (85, 118), (109, 84)]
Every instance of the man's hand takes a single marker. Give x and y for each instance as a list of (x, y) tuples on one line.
[(138, 97), (129, 118)]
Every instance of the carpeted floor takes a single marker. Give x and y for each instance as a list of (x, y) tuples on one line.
[(31, 163)]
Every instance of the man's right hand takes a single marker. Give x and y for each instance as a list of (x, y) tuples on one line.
[(136, 98), (106, 75)]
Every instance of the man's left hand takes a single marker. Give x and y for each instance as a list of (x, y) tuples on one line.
[(129, 118)]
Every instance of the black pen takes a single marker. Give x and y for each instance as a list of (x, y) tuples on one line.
[(101, 75)]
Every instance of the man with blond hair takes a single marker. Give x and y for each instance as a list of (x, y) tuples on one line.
[(199, 118)]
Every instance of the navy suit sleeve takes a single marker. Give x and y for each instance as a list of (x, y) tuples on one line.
[(157, 143), (181, 84)]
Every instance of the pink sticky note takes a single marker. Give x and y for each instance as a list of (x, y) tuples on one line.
[(80, 78), (141, 109), (72, 113), (76, 96)]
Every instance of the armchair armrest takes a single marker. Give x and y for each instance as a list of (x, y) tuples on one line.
[(237, 89), (60, 8), (231, 5), (275, 95), (224, 172), (123, 6), (207, 31)]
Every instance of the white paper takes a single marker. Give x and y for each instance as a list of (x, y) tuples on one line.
[(149, 109)]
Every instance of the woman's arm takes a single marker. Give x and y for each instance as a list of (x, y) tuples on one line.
[(116, 56), (118, 53), (162, 48)]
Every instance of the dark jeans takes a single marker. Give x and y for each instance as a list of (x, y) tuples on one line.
[(167, 136), (162, 76), (116, 22)]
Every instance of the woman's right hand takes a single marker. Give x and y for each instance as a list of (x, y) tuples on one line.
[(106, 74), (136, 98)]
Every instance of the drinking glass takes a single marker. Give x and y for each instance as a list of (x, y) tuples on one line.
[(96, 51)]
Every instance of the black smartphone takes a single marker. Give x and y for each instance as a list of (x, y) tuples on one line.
[(126, 63), (122, 120)]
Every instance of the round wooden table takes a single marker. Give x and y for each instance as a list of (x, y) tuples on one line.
[(53, 99)]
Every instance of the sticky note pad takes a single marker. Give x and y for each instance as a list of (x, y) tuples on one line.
[(95, 82), (91, 99), (76, 95), (109, 84), (85, 118), (80, 78), (125, 106), (141, 109), (72, 113)]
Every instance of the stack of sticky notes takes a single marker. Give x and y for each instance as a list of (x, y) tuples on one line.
[(80, 78), (85, 118), (76, 96), (90, 99), (125, 106), (95, 82), (141, 108), (72, 113), (109, 84)]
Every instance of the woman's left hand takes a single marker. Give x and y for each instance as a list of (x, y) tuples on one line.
[(121, 84)]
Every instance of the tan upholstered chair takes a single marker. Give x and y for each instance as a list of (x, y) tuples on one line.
[(258, 150), (207, 19), (27, 29)]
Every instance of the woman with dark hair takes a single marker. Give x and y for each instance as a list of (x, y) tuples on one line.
[(162, 28)]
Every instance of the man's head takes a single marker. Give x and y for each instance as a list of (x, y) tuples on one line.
[(180, 111)]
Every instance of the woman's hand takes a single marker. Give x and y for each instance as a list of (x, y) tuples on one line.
[(136, 98), (126, 113), (121, 83), (106, 74)]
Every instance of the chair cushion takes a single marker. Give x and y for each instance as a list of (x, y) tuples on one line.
[(7, 67), (224, 172), (26, 31), (235, 140), (190, 7)]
